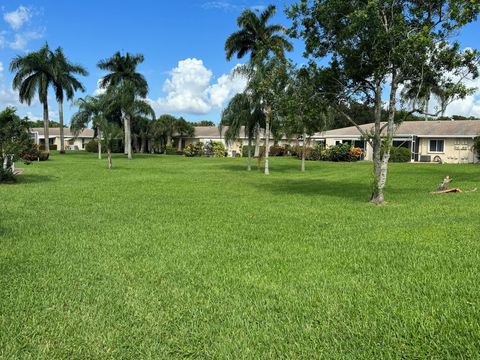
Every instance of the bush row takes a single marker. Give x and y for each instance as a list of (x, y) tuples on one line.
[(92, 146), (211, 149)]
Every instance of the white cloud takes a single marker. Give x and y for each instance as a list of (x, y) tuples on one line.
[(99, 90), (16, 19), (189, 89), (22, 39), (1, 68), (228, 6)]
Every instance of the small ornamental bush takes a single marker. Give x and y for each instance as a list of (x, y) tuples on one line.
[(31, 154), (355, 153), (92, 146), (400, 154), (476, 146), (277, 150), (196, 149), (43, 155), (169, 150), (218, 149)]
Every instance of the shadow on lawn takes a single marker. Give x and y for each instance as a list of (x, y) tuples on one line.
[(310, 187)]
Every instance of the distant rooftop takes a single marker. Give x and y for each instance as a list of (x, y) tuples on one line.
[(55, 131), (437, 128)]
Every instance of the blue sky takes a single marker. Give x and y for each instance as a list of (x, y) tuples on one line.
[(182, 42)]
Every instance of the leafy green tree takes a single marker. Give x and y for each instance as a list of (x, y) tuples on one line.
[(124, 80), (242, 112), (33, 75), (202, 123), (374, 47), (168, 125), (14, 140), (304, 111), (111, 132), (65, 84)]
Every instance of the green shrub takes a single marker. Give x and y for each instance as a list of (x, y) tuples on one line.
[(52, 147), (92, 146), (277, 150), (196, 149), (400, 154), (43, 155), (218, 149), (169, 150), (6, 176), (31, 154), (476, 146)]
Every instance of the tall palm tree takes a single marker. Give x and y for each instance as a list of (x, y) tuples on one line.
[(257, 37), (33, 75), (65, 84), (267, 45), (242, 111), (123, 74)]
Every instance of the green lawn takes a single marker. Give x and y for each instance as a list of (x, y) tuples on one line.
[(171, 257)]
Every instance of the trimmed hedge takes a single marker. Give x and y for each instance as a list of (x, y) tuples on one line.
[(400, 154)]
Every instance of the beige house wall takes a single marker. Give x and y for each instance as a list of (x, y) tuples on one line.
[(456, 150)]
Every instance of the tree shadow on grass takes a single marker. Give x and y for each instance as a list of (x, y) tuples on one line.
[(276, 168), (356, 191)]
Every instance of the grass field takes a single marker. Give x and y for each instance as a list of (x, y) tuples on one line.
[(170, 257)]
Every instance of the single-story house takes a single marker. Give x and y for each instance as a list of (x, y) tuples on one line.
[(71, 141), (215, 133), (429, 141)]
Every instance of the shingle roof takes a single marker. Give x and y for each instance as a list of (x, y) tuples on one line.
[(55, 131), (458, 128)]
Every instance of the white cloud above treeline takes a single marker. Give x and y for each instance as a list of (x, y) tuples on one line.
[(191, 89), (21, 31)]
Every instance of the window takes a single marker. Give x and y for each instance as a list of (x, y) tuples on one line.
[(359, 144), (436, 146)]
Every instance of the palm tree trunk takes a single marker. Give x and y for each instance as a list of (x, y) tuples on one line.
[(109, 152), (257, 142), (128, 136), (143, 146), (62, 134), (179, 145), (267, 141), (46, 126), (99, 144), (304, 149), (427, 101), (249, 164)]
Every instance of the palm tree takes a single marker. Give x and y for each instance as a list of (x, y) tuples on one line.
[(267, 45), (184, 129), (257, 37), (242, 111), (65, 84), (33, 75), (90, 110), (123, 74)]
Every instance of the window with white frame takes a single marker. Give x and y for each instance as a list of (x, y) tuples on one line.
[(436, 146)]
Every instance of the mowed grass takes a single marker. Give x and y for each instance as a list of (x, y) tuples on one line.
[(172, 257)]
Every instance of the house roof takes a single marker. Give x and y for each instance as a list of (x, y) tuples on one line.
[(437, 128), (55, 132)]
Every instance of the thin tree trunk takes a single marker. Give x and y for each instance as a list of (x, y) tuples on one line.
[(109, 152), (427, 101), (46, 126), (249, 150), (125, 140), (62, 134), (377, 192), (267, 141), (258, 139), (136, 144), (381, 163), (304, 149), (99, 144), (128, 136)]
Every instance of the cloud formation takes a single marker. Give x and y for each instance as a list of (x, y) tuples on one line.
[(189, 89), (16, 19)]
